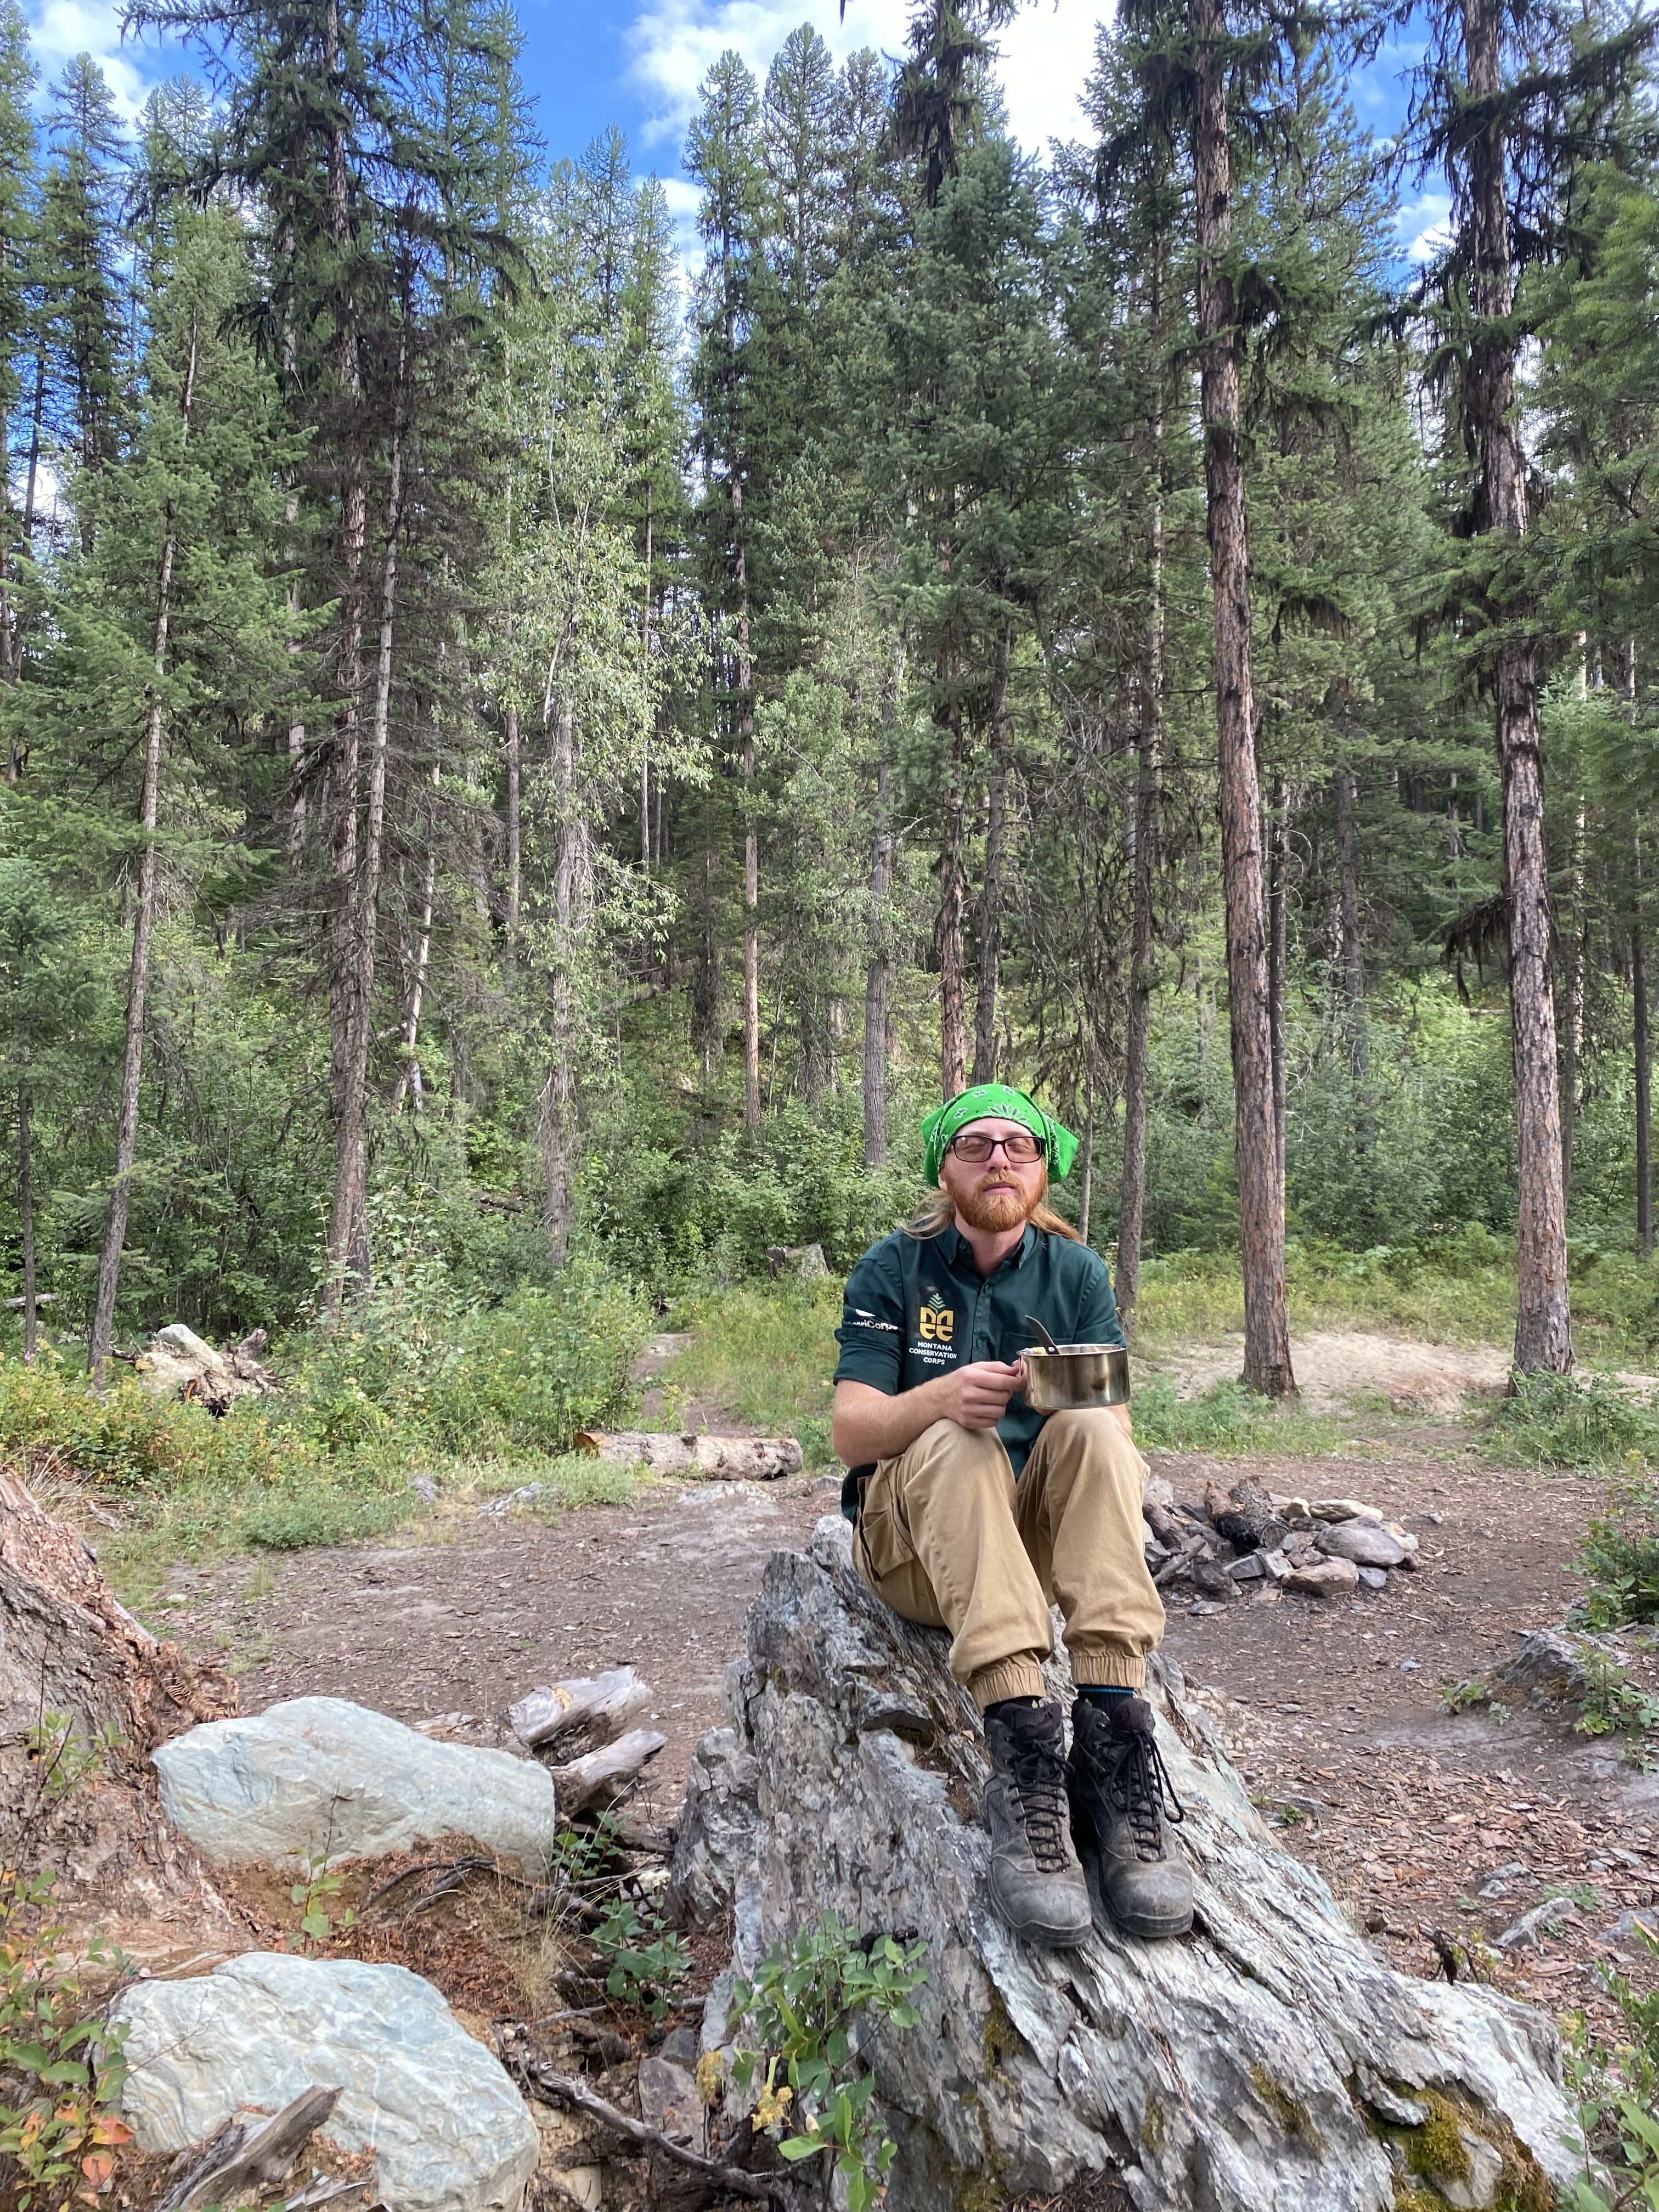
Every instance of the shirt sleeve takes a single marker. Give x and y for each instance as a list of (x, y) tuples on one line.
[(872, 1331), (1097, 1319)]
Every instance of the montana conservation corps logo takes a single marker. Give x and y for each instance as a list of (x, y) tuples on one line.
[(936, 1327)]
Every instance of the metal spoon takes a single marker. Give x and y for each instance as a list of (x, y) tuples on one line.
[(1048, 1339)]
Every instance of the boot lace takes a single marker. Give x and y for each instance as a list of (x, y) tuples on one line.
[(1039, 1778), (1140, 1789)]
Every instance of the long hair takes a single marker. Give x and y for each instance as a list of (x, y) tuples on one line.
[(940, 1212)]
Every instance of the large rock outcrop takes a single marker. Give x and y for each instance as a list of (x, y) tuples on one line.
[(449, 2131), (321, 1776), (1269, 2063)]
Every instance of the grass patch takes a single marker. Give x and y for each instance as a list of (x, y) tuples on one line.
[(1585, 1424), (1458, 1288), (765, 1353), (1229, 1421)]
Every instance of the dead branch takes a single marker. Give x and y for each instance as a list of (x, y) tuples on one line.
[(244, 2155)]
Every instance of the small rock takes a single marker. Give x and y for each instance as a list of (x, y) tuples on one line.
[(449, 2131), (1329, 1578), (1402, 1536), (1344, 1509), (669, 2099), (515, 1501), (1629, 1929), (1549, 1666), (1248, 1569), (1212, 1581), (1364, 1542), (424, 1487), (1497, 1884), (1373, 1578), (1201, 1605), (323, 1775), (1536, 1917), (1435, 1519), (1274, 1564), (680, 2045), (1411, 1666), (1161, 1491)]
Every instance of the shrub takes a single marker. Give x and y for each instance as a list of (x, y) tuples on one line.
[(60, 2066), (128, 1440), (1562, 1420), (1619, 1556)]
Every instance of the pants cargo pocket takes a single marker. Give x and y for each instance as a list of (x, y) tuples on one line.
[(880, 1545)]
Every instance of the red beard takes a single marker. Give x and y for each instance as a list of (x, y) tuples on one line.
[(996, 1210)]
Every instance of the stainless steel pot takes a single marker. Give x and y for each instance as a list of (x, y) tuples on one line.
[(1074, 1377)]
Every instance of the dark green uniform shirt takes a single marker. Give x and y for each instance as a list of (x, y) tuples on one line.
[(916, 1308)]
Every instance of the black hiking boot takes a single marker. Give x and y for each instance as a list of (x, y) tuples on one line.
[(1121, 1800), (1036, 1881)]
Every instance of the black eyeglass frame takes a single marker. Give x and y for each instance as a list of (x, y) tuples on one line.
[(1041, 1153)]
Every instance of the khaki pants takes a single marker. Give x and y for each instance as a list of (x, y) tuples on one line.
[(948, 1538)]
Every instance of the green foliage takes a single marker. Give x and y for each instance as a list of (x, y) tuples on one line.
[(63, 1759), (1619, 1555), (767, 1353), (1226, 1419), (648, 1961), (1615, 2093), (803, 2010), (1588, 1423), (314, 1894), (61, 2070), (1611, 1704)]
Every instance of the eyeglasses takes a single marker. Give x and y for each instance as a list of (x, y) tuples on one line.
[(975, 1149)]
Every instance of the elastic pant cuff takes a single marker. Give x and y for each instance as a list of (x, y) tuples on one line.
[(1009, 1678), (1107, 1670)]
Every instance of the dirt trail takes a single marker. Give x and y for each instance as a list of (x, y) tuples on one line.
[(1336, 1709), (1336, 1367)]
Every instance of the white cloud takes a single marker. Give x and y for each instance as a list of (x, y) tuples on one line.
[(1046, 53), (1424, 227), (61, 29)]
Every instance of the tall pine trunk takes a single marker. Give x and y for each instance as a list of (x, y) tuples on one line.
[(348, 1230), (990, 896), (1149, 768), (1638, 979), (949, 930), (1278, 901), (1260, 1207), (409, 1074), (515, 822), (25, 1222), (348, 1226), (875, 981), (144, 923), (1572, 1027), (558, 1093), (1543, 1340), (751, 1106)]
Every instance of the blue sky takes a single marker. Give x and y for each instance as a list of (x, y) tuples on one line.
[(638, 63)]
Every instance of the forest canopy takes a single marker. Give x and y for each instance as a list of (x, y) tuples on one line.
[(528, 750)]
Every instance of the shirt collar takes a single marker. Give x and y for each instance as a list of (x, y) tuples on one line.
[(960, 1253)]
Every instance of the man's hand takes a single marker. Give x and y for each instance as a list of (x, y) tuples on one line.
[(977, 1396)]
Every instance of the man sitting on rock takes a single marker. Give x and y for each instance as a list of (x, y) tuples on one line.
[(973, 1513)]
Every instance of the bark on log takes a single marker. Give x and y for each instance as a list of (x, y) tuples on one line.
[(588, 1711), (246, 2156), (77, 1673), (709, 1458), (1270, 2058), (602, 1777)]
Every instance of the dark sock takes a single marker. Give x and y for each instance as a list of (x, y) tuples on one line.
[(1004, 1707), (1105, 1694)]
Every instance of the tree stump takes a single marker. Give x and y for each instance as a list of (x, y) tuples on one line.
[(1268, 2062)]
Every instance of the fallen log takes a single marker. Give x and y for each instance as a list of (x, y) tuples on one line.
[(706, 1458), (603, 1777), (591, 1709), (1269, 2058), (246, 2155)]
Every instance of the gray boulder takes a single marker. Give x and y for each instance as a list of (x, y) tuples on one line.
[(1269, 2063), (1364, 1543), (449, 2131), (1549, 1666), (320, 1775)]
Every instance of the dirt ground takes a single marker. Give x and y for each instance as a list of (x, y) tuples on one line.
[(1437, 1830)]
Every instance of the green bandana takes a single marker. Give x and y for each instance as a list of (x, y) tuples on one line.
[(996, 1101)]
